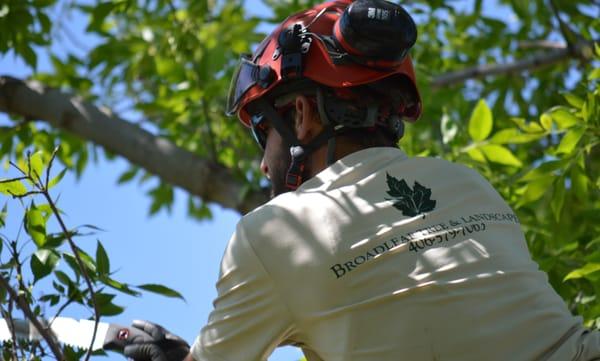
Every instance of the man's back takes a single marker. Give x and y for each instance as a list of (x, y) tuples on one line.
[(383, 257)]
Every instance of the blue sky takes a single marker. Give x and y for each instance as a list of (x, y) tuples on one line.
[(170, 249)]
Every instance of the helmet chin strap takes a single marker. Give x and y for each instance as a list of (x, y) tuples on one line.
[(327, 123), (299, 152)]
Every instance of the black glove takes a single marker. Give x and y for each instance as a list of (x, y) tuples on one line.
[(157, 344)]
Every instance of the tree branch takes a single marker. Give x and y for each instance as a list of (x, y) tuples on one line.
[(207, 179), (582, 50), (24, 306)]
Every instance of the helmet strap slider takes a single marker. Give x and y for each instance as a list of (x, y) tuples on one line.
[(294, 177)]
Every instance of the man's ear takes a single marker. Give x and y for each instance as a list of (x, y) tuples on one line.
[(306, 121)]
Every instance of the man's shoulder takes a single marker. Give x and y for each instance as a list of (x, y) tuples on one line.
[(276, 208)]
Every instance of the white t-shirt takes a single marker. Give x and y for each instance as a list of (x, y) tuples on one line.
[(381, 257)]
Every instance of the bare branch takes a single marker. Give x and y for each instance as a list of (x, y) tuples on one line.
[(86, 276), (24, 306), (541, 44), (583, 50), (208, 179), (10, 180), (7, 315)]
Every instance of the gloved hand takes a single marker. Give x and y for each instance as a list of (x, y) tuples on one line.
[(157, 345)]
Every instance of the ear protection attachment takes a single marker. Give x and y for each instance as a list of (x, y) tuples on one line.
[(375, 32)]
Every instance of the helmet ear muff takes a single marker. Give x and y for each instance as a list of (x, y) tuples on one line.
[(346, 112), (375, 29)]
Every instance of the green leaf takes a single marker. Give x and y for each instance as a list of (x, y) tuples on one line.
[(128, 175), (43, 262), (105, 305), (574, 100), (501, 155), (54, 181), (570, 140), (122, 287), (36, 165), (545, 170), (528, 127), (481, 122), (558, 198), (29, 56), (514, 136), (102, 261), (110, 309), (580, 183), (476, 154), (564, 118), (12, 188), (595, 74), (546, 121), (584, 271), (161, 290), (100, 12), (535, 189), (63, 278), (590, 109), (87, 262), (3, 214), (35, 225)]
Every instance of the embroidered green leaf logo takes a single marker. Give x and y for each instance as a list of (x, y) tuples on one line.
[(411, 202)]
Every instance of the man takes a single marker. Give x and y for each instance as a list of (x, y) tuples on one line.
[(363, 253)]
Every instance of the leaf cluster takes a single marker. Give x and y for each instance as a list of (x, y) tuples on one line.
[(52, 262)]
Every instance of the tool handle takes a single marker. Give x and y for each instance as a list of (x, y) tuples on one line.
[(117, 337)]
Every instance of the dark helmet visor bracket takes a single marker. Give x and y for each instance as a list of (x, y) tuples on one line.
[(246, 76)]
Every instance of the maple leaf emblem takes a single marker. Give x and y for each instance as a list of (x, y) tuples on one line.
[(411, 202)]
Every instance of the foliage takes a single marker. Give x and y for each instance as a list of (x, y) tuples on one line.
[(51, 262), (547, 168), (533, 133)]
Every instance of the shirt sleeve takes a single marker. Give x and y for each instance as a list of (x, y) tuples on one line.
[(249, 318)]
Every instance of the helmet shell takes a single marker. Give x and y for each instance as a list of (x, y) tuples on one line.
[(317, 65)]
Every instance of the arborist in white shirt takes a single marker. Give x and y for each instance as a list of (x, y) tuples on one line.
[(364, 254)]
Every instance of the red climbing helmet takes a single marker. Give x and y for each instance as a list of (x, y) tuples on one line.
[(337, 44)]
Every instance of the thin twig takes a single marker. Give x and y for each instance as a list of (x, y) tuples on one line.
[(24, 306), (50, 166), (541, 44), (18, 168), (86, 277), (24, 195), (531, 63), (7, 315), (18, 266), (44, 191), (13, 179), (63, 307)]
